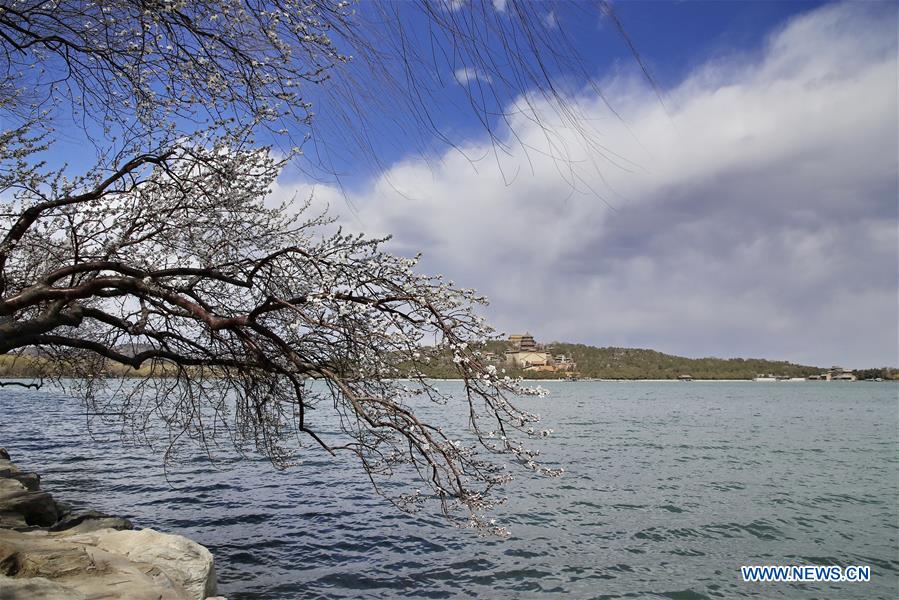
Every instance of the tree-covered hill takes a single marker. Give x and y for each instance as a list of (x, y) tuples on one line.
[(592, 362), (640, 363)]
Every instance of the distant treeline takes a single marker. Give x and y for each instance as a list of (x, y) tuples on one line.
[(33, 367), (638, 363), (592, 362)]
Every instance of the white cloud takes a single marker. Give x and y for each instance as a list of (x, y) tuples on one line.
[(550, 20), (756, 216), (467, 75)]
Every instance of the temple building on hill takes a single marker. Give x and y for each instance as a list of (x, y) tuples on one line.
[(838, 374), (525, 353), (523, 343)]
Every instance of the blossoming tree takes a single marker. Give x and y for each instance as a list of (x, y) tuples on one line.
[(164, 258)]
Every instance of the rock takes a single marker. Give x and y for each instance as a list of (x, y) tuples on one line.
[(90, 521), (7, 468), (8, 486), (183, 560), (47, 551), (64, 509), (81, 569), (31, 481), (37, 508), (21, 504), (24, 555), (36, 587), (12, 520), (20, 498)]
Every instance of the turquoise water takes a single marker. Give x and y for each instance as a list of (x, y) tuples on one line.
[(669, 488)]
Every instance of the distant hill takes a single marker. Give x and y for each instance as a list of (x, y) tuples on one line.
[(592, 362), (640, 363)]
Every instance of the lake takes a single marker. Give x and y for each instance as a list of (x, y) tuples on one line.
[(668, 489)]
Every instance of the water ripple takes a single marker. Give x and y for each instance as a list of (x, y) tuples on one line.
[(670, 488)]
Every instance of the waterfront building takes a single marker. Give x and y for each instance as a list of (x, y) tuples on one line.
[(525, 353)]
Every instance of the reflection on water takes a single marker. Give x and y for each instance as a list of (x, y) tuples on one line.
[(669, 489)]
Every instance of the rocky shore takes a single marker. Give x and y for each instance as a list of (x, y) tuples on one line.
[(49, 551)]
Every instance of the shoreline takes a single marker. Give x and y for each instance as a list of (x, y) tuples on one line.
[(48, 550), (595, 380), (26, 380)]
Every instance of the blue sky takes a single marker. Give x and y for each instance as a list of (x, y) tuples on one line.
[(751, 212), (676, 37), (672, 39), (746, 207)]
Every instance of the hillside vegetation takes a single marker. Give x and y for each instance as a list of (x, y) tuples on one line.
[(592, 362), (639, 363), (31, 366), (636, 363)]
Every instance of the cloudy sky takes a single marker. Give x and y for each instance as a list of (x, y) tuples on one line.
[(750, 211)]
